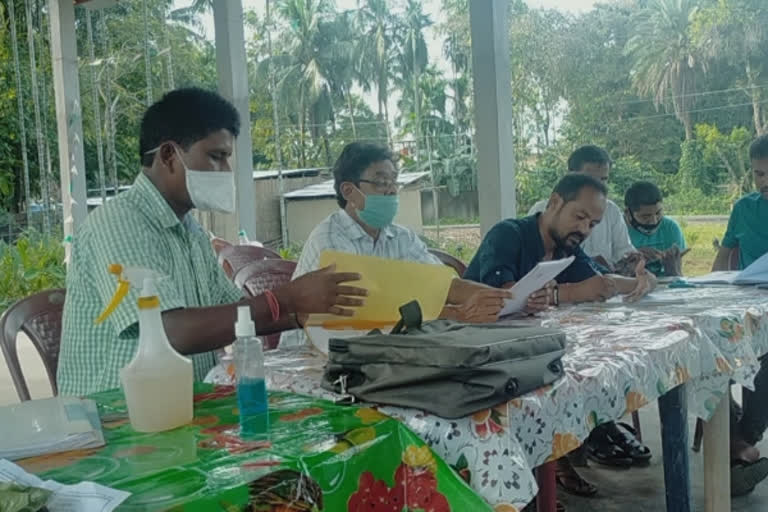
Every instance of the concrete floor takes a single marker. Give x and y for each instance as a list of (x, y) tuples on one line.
[(642, 489), (633, 490)]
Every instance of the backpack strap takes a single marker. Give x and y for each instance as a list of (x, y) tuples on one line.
[(410, 318)]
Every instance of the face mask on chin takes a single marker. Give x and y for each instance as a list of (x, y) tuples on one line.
[(210, 190), (647, 229)]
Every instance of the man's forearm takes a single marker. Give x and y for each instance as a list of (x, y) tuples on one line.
[(723, 259), (461, 290), (195, 330)]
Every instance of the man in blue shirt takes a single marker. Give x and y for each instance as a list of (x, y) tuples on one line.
[(657, 237), (513, 247)]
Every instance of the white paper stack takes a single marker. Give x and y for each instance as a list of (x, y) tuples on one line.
[(41, 427), (81, 497), (756, 273)]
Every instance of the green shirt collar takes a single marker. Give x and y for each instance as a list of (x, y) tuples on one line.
[(151, 200)]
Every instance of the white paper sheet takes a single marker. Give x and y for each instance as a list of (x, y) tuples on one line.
[(81, 497), (534, 280)]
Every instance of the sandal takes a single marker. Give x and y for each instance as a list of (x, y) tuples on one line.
[(746, 475), (627, 441), (571, 481), (602, 448)]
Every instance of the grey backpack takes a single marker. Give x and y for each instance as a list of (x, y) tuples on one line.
[(443, 367)]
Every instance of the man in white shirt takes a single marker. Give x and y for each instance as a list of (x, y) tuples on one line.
[(609, 240), (365, 179)]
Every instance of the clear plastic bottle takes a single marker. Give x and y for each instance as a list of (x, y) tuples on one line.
[(251, 389)]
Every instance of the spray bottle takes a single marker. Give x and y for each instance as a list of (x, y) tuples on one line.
[(158, 382), (249, 377), (242, 239)]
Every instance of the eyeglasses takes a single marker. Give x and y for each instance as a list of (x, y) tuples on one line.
[(384, 186)]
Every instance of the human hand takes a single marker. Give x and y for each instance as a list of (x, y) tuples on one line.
[(322, 291), (602, 288), (626, 265), (672, 260), (540, 300), (483, 306), (646, 282), (650, 254)]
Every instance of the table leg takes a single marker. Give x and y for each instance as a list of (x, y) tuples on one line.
[(546, 500), (717, 456), (673, 411)]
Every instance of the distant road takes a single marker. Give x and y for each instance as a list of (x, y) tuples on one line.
[(690, 219)]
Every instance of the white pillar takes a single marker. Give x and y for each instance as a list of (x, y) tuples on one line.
[(233, 84), (493, 110), (69, 121)]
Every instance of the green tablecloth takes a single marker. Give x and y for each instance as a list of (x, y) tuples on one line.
[(320, 456)]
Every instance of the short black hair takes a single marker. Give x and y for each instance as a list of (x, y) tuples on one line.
[(185, 116), (758, 150), (588, 155), (642, 193), (354, 159), (570, 186)]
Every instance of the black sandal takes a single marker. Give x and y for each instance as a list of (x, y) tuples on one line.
[(627, 441), (602, 448)]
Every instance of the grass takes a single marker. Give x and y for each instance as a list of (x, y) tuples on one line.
[(698, 236)]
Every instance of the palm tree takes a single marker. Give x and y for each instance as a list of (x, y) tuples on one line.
[(665, 60), (306, 67), (376, 55), (414, 59)]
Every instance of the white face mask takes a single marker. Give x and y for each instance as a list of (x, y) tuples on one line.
[(210, 190)]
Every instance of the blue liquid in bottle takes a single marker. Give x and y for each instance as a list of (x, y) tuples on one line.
[(253, 406)]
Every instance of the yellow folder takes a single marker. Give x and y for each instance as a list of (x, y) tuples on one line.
[(390, 284)]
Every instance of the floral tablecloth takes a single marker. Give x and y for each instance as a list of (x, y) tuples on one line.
[(317, 457), (619, 358)]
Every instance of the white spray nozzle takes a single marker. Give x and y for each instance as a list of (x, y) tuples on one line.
[(244, 327)]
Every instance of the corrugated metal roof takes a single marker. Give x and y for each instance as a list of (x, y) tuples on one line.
[(312, 171), (325, 189)]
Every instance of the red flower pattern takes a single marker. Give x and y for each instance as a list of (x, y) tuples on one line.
[(414, 489)]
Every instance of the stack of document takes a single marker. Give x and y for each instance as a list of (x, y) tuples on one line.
[(80, 497), (756, 273), (40, 427)]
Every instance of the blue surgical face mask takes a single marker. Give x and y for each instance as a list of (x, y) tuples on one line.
[(380, 210)]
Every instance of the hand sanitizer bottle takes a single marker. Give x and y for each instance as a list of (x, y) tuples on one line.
[(249, 377)]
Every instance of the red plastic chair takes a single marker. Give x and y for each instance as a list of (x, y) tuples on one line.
[(456, 264), (39, 317), (219, 244), (233, 259), (261, 275)]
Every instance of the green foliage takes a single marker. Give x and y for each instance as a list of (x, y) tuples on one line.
[(34, 263)]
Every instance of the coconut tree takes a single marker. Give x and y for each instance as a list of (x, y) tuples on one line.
[(378, 52), (665, 59)]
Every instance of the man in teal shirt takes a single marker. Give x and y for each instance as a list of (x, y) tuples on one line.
[(657, 237), (748, 226), (748, 232)]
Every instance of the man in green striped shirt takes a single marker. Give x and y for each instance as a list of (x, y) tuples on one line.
[(185, 145)]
